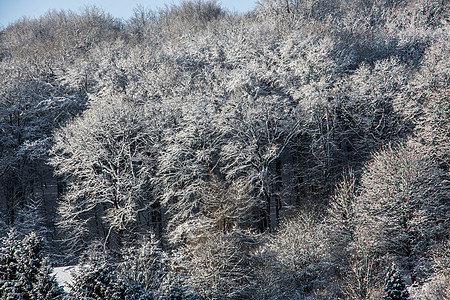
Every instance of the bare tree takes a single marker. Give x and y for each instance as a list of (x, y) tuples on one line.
[(217, 265), (257, 135), (402, 208), (102, 156), (296, 260)]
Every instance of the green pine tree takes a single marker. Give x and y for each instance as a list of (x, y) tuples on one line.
[(9, 287), (394, 285), (25, 272), (101, 281)]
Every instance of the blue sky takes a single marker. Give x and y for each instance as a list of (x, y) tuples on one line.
[(12, 10)]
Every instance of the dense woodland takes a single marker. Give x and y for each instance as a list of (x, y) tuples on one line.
[(300, 151)]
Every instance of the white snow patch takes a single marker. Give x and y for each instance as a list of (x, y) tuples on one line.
[(64, 275)]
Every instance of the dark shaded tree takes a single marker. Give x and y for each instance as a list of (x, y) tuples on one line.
[(394, 285), (25, 273), (101, 281)]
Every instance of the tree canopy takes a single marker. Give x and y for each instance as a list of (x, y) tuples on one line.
[(303, 144)]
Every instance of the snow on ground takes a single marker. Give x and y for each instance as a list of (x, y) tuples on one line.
[(64, 275)]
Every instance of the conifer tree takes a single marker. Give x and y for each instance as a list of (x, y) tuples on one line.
[(101, 281), (8, 266), (25, 272), (394, 286), (145, 266)]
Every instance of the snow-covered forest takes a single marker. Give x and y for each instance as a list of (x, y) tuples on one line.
[(300, 151)]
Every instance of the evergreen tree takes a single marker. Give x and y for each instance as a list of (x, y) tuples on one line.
[(153, 271), (8, 267), (101, 281), (25, 272), (394, 286), (145, 266)]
